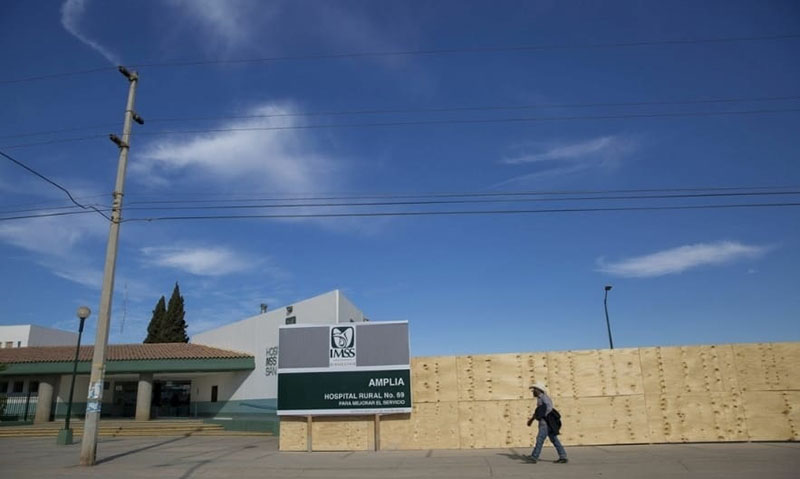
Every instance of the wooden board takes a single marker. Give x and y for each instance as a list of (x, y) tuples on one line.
[(768, 366), (429, 426), (772, 415), (494, 424), (292, 434), (696, 417), (595, 373), (342, 433), (492, 377), (672, 371), (434, 379), (603, 420)]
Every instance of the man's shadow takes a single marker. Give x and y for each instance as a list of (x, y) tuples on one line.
[(514, 455)]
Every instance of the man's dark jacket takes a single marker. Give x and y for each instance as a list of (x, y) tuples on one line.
[(553, 419)]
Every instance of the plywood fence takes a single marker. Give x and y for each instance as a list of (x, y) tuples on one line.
[(740, 392)]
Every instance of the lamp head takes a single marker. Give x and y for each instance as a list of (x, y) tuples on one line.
[(84, 312)]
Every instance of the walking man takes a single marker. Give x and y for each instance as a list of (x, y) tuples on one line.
[(549, 424)]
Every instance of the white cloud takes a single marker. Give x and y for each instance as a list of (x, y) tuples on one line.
[(271, 160), (231, 22), (71, 13), (201, 261), (682, 258), (555, 159), (52, 236)]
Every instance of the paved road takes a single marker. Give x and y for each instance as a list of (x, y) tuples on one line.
[(245, 457)]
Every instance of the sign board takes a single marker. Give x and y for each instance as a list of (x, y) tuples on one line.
[(344, 369)]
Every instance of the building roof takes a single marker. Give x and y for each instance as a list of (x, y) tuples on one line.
[(117, 352)]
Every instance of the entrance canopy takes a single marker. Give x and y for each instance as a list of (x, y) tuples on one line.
[(125, 358)]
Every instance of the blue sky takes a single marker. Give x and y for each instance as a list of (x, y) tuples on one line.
[(467, 284)]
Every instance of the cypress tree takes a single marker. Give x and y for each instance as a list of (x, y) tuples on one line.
[(156, 327), (174, 326)]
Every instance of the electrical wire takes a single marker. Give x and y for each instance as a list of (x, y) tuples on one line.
[(472, 194), (397, 110), (421, 52), (66, 191), (421, 122), (461, 212), (45, 215), (463, 201)]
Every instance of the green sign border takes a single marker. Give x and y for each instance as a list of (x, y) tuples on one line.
[(348, 392)]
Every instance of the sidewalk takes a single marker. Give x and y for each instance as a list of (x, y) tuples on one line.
[(257, 457)]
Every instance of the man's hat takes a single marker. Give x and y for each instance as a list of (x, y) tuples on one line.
[(539, 386)]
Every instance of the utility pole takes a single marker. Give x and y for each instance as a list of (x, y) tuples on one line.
[(95, 396)]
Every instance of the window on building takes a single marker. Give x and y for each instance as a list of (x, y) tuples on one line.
[(3, 387), (33, 386), (214, 391), (18, 387), (291, 320), (106, 385)]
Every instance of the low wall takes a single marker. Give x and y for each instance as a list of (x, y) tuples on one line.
[(739, 392)]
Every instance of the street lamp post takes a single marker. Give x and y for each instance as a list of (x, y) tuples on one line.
[(65, 435), (608, 323)]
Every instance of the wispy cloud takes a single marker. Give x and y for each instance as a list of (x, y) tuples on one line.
[(71, 13), (282, 160), (228, 21), (554, 159), (680, 259), (201, 261), (54, 236)]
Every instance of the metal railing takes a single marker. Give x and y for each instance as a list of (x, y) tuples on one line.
[(18, 406)]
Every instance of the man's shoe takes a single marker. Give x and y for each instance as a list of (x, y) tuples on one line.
[(532, 459), (562, 460)]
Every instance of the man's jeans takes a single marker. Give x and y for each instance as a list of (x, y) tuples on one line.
[(544, 432)]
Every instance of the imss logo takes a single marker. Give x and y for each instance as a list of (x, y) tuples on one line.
[(343, 345)]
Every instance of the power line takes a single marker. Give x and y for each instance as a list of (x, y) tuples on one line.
[(465, 201), (398, 110), (421, 52), (66, 191), (505, 197), (461, 212), (45, 215), (472, 108), (472, 194), (426, 122), (449, 51), (472, 121)]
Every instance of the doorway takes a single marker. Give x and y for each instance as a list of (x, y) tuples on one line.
[(172, 398)]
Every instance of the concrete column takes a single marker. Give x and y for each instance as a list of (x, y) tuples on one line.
[(45, 400), (144, 395)]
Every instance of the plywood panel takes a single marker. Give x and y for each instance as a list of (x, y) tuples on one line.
[(535, 370), (773, 415), (596, 373), (603, 420), (491, 377), (429, 426), (434, 379), (342, 433), (293, 434), (687, 370), (697, 417), (768, 366), (561, 374), (494, 424)]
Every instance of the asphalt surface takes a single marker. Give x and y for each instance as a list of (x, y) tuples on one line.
[(245, 457)]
